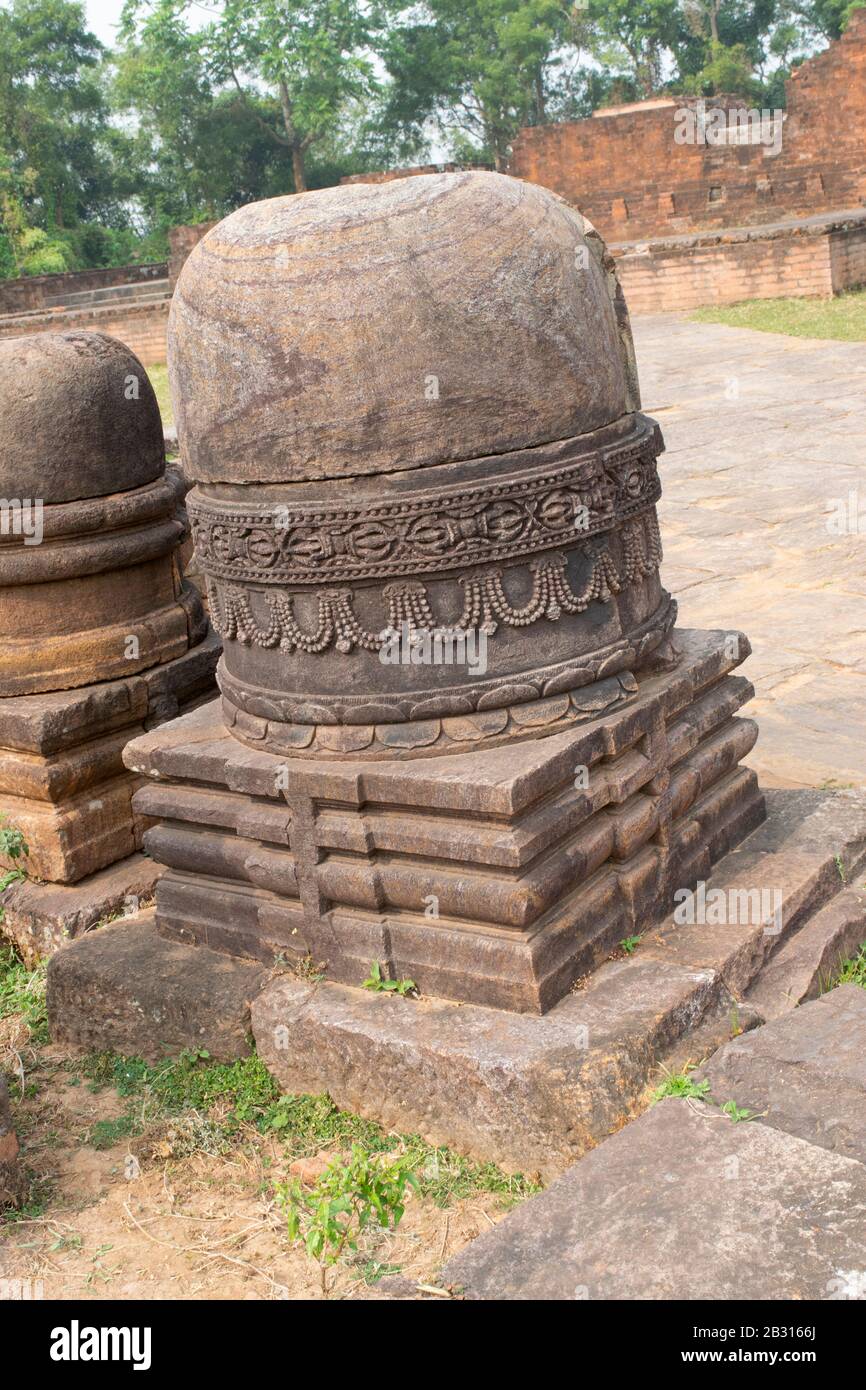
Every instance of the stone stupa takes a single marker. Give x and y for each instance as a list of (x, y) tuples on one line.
[(102, 637), (412, 417)]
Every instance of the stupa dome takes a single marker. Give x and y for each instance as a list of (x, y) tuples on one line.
[(370, 328), (78, 418)]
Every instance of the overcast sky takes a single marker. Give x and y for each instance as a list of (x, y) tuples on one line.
[(102, 17)]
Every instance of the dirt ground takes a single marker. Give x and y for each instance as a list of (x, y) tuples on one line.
[(147, 1219)]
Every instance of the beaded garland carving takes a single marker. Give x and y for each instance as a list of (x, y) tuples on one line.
[(486, 604)]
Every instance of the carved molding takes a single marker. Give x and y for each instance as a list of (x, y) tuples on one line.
[(434, 529), (486, 604)]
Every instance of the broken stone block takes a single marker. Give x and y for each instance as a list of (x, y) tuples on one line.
[(682, 1204), (126, 989), (805, 1073)]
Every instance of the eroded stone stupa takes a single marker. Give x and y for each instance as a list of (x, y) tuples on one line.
[(101, 634), (412, 416)]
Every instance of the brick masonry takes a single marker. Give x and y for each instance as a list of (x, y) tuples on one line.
[(627, 174), (816, 257), (141, 326), (30, 293)]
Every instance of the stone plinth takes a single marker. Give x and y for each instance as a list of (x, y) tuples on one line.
[(62, 778), (498, 877)]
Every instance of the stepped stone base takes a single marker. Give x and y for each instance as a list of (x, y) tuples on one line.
[(532, 1093), (497, 878), (62, 779)]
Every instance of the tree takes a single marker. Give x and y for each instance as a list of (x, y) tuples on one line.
[(478, 69), (312, 54), (634, 36), (54, 132)]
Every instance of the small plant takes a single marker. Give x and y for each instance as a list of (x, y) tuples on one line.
[(840, 867), (12, 846), (629, 944), (348, 1197), (736, 1025), (853, 971), (733, 1111), (680, 1084), (379, 984)]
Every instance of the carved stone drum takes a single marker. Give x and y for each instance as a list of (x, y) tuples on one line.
[(425, 494)]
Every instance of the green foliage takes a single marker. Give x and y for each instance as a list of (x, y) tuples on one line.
[(629, 944), (380, 984), (735, 1113), (13, 847), (329, 1218), (681, 1085), (853, 971), (244, 1093), (22, 992)]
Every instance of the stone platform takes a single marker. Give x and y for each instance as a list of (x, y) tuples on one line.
[(687, 1204), (530, 1093), (497, 878)]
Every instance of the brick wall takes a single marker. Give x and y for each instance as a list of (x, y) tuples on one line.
[(815, 257), (141, 327), (627, 174), (31, 292), (181, 241)]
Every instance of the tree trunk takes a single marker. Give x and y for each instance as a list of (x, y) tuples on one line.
[(298, 170)]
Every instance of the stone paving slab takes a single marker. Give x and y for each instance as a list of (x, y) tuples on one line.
[(765, 434), (682, 1204), (804, 1073)]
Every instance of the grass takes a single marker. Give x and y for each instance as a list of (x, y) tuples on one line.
[(159, 381), (843, 318), (219, 1103), (22, 993), (853, 971)]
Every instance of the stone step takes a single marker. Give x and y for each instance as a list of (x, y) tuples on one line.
[(804, 1073), (682, 1204), (107, 294), (806, 964)]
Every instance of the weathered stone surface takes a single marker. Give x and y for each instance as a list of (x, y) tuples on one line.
[(535, 1093), (805, 965), (62, 779), (476, 282), (90, 583), (313, 586), (804, 1073), (126, 988), (529, 1093), (493, 876), (70, 426), (40, 917), (12, 1183), (682, 1204)]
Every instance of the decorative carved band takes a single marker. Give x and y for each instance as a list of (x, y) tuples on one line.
[(433, 530), (486, 603)]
